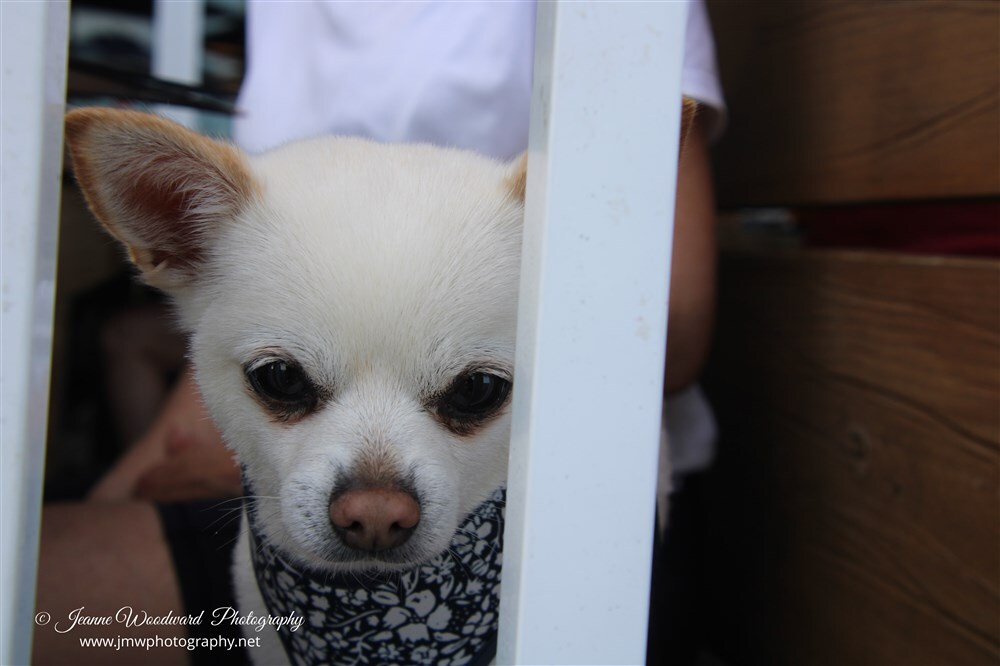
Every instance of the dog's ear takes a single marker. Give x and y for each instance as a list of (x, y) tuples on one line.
[(517, 177), (160, 189), (689, 108)]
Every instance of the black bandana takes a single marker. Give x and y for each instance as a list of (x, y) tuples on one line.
[(443, 611)]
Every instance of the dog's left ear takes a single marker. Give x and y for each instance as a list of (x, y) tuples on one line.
[(160, 189), (517, 177)]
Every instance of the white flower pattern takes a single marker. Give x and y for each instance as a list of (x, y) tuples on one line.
[(441, 612)]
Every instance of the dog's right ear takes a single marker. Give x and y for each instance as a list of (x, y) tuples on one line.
[(517, 177), (689, 108), (160, 189)]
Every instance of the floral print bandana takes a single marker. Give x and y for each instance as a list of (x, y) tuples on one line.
[(441, 612)]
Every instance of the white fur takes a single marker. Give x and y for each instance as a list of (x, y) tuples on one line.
[(384, 271)]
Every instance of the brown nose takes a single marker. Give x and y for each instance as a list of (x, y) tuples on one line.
[(374, 519)]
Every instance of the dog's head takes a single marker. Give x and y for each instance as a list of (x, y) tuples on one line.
[(352, 315)]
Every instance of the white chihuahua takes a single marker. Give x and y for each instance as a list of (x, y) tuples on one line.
[(351, 307)]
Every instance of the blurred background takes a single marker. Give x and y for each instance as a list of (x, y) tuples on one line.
[(116, 351)]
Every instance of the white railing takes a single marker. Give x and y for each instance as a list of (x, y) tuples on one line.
[(178, 50), (32, 97), (591, 330)]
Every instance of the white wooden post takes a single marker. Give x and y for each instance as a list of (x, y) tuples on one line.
[(591, 333), (178, 50), (32, 99)]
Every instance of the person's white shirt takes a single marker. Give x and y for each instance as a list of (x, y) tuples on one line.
[(449, 73)]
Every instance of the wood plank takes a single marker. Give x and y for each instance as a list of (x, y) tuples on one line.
[(835, 101), (853, 512)]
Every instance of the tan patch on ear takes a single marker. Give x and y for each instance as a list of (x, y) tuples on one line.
[(689, 108), (157, 187), (517, 179)]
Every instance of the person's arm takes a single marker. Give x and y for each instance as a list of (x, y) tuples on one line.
[(692, 283)]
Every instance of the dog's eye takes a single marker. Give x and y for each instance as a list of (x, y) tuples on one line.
[(474, 397), (283, 385)]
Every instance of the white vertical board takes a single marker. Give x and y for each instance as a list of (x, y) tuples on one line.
[(178, 50), (32, 99), (591, 332)]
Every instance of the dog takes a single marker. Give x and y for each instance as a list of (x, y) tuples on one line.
[(352, 310)]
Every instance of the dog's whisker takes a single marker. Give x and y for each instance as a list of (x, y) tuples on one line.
[(239, 506), (223, 522), (472, 534), (220, 503), (244, 528), (489, 545), (498, 521), (229, 543), (357, 580), (226, 518), (455, 556), (240, 498)]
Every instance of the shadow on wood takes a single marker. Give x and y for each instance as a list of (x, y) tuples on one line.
[(852, 517)]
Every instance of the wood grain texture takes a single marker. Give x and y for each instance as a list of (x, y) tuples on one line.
[(854, 514), (835, 101)]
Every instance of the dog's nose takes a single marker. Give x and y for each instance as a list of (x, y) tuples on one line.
[(374, 519)]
